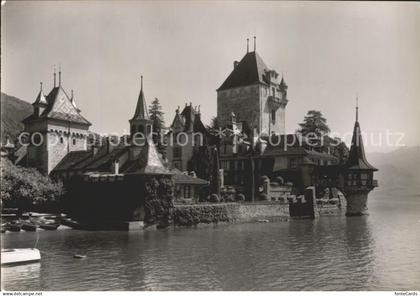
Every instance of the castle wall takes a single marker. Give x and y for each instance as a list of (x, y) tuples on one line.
[(243, 101), (250, 104)]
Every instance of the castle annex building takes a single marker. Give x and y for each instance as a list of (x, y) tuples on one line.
[(56, 128)]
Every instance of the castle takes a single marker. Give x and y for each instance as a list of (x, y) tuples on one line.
[(251, 105)]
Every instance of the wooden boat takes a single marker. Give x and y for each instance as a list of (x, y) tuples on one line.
[(71, 223), (28, 226), (19, 256), (78, 256), (13, 226), (49, 226)]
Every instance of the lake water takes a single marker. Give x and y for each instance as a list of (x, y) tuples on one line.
[(377, 252)]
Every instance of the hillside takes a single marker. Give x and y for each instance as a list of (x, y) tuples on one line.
[(398, 169), (13, 111)]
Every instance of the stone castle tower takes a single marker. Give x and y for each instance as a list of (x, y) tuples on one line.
[(255, 94), (55, 128)]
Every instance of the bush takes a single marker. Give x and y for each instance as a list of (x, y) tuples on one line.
[(240, 197), (214, 198), (263, 196), (26, 187), (230, 198)]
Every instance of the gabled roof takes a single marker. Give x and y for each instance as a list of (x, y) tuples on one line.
[(189, 116), (250, 70), (357, 158), (189, 120)]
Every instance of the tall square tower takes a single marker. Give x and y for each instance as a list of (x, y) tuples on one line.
[(255, 94)]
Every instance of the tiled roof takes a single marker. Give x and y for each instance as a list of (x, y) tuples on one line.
[(71, 159), (148, 162), (59, 107), (250, 70)]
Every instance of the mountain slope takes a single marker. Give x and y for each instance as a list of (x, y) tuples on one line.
[(398, 169), (13, 111)]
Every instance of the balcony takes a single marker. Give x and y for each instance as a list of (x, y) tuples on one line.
[(276, 102)]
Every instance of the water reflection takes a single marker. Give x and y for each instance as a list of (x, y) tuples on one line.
[(330, 253)]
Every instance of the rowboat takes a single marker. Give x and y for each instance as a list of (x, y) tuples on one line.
[(13, 226), (19, 256), (27, 226), (49, 226)]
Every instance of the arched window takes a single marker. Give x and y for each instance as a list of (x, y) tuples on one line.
[(74, 141), (61, 140), (273, 116)]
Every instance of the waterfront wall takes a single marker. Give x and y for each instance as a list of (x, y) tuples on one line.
[(189, 215)]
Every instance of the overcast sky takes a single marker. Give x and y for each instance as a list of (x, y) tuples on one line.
[(328, 52)]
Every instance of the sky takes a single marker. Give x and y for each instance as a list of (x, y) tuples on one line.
[(328, 52)]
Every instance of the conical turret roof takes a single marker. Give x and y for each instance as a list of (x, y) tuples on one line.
[(357, 157), (141, 108)]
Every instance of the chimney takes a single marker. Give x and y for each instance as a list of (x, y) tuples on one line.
[(109, 145), (94, 149), (235, 64), (115, 167)]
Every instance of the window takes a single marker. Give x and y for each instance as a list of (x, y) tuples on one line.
[(61, 140), (187, 191), (273, 90), (178, 165), (225, 165), (74, 141), (273, 116), (177, 152), (293, 163)]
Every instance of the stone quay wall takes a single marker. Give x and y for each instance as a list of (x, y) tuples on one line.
[(190, 215)]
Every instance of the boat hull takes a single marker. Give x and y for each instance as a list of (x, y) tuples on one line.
[(19, 256)]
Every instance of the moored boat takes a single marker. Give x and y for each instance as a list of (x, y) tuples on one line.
[(49, 226), (13, 226), (28, 226), (19, 256)]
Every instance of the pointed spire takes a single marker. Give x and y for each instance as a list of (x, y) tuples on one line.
[(141, 108), (357, 108), (40, 99), (247, 45), (54, 77), (255, 43), (283, 84), (357, 157), (73, 101), (59, 75)]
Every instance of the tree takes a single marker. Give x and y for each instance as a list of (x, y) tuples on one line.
[(214, 124), (314, 123), (156, 115), (200, 162), (25, 188)]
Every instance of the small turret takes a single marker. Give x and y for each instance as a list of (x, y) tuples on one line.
[(358, 175), (40, 102), (141, 123)]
